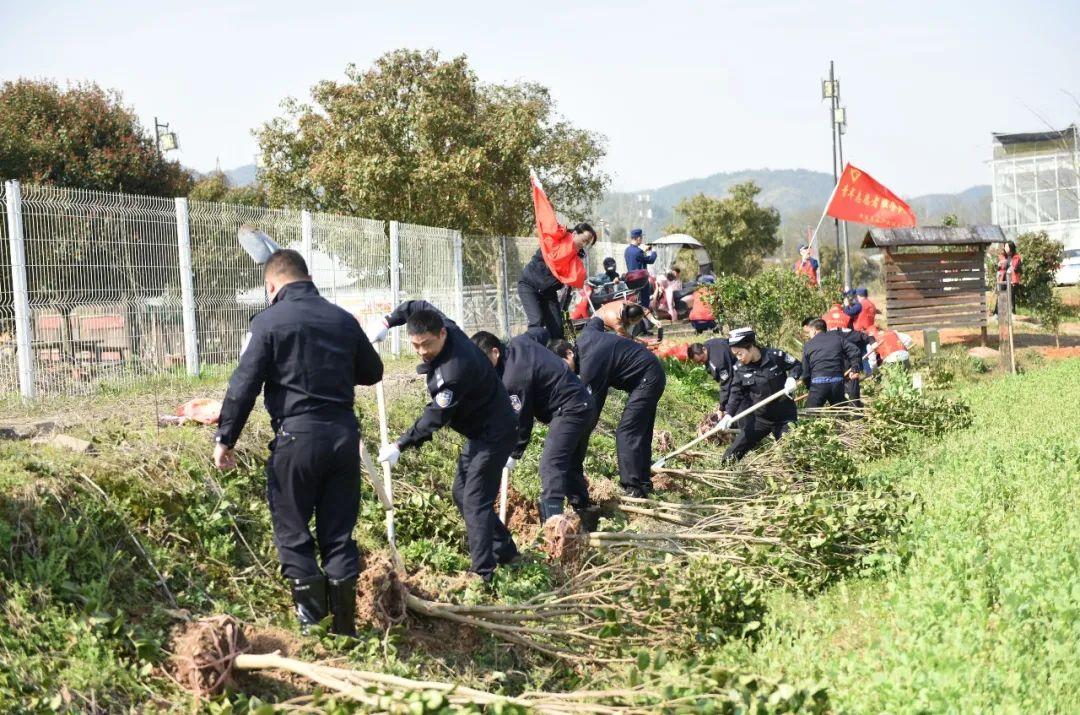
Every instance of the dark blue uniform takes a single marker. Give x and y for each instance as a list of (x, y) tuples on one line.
[(538, 290), (309, 354), (720, 364), (751, 384), (542, 387), (606, 361), (861, 341), (468, 396), (636, 260), (827, 357)]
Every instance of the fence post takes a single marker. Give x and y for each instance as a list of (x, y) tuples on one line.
[(395, 283), (504, 289), (187, 288), (306, 233), (20, 293), (459, 282)]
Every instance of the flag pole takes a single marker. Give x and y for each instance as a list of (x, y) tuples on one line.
[(826, 210)]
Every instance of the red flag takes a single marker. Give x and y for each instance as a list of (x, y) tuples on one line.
[(860, 199), (556, 243)]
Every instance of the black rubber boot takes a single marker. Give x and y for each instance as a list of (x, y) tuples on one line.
[(548, 509), (343, 606), (589, 515), (309, 596)]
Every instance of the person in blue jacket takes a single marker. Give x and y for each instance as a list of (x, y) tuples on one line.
[(638, 259)]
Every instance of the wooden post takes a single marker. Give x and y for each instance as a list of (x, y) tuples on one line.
[(1005, 337)]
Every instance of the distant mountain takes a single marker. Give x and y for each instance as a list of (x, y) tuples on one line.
[(798, 194), (241, 175)]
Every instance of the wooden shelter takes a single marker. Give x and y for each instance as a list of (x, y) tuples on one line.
[(935, 276)]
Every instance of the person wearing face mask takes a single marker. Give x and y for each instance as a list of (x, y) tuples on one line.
[(306, 354)]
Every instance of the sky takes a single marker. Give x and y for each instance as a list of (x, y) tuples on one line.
[(679, 89)]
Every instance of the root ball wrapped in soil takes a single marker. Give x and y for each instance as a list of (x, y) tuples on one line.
[(204, 652), (380, 594)]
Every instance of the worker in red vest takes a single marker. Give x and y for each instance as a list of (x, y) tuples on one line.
[(807, 265), (836, 319), (890, 347), (701, 315), (865, 319)]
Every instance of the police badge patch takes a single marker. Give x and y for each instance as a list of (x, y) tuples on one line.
[(515, 402), (443, 398), (724, 375)]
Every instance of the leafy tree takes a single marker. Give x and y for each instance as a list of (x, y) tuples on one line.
[(420, 139), (82, 137), (951, 220), (216, 186), (773, 302), (1042, 258), (737, 232)]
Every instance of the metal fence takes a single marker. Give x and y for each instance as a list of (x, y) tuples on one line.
[(101, 290)]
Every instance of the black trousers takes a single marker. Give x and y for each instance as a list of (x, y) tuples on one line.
[(822, 393), (562, 462), (753, 432), (853, 390), (476, 486), (634, 434), (314, 470), (542, 309)]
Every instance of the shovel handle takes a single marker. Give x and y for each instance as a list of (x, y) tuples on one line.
[(388, 484), (504, 493)]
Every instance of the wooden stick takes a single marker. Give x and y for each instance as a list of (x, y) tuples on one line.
[(749, 410), (504, 494), (388, 484)]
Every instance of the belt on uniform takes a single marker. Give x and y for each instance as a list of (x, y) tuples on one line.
[(826, 380)]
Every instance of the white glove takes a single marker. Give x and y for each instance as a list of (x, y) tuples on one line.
[(725, 422), (789, 386), (377, 332), (390, 453), (510, 464)]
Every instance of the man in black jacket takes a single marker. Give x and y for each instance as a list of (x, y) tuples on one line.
[(828, 359), (467, 396), (606, 360), (760, 373), (309, 354), (538, 288), (542, 387), (719, 362)]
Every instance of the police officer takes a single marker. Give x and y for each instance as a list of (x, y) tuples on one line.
[(606, 361), (828, 359), (542, 387), (538, 288), (760, 372), (309, 354), (638, 259), (468, 396), (719, 362), (853, 380)]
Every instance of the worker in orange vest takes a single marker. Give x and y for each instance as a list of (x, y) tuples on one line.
[(890, 347), (807, 265), (865, 319), (701, 315), (1009, 266)]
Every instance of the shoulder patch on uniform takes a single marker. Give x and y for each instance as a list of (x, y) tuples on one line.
[(515, 402), (444, 397), (789, 359), (244, 345), (724, 375)]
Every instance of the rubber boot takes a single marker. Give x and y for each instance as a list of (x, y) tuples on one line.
[(343, 606), (309, 597), (549, 508), (589, 515)]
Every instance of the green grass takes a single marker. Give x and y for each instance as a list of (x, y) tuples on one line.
[(985, 616)]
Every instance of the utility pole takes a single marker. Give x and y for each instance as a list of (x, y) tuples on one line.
[(830, 90)]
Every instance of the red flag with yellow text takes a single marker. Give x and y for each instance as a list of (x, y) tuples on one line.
[(860, 199), (556, 242)]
